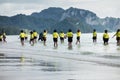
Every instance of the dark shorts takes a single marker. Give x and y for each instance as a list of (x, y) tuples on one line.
[(105, 39), (0, 39), (70, 39), (40, 39), (44, 38), (26, 38), (118, 38), (55, 39), (78, 38), (22, 39), (31, 39), (61, 38), (35, 37), (94, 38)]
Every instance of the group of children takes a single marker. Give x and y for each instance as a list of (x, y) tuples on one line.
[(3, 37), (24, 36), (33, 37), (106, 37), (62, 36), (69, 35)]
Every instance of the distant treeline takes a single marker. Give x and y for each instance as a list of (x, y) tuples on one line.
[(9, 30)]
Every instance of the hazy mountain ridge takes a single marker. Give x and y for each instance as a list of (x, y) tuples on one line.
[(60, 19)]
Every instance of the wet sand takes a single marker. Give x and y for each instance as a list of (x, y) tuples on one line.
[(47, 63)]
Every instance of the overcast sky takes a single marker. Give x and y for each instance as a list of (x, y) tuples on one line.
[(102, 8)]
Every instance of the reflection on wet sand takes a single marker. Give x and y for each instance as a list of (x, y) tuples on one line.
[(17, 62), (86, 61)]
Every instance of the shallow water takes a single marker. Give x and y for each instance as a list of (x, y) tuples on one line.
[(86, 61)]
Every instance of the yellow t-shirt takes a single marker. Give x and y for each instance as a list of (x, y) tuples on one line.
[(26, 35), (118, 34), (44, 34), (94, 34), (4, 34), (69, 34), (55, 35), (1, 36), (78, 34), (62, 35), (31, 36), (22, 35), (35, 34), (105, 35)]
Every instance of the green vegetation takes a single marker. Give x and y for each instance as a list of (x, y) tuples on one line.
[(60, 19), (9, 30)]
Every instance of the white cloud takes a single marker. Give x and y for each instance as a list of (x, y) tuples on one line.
[(102, 8), (13, 9)]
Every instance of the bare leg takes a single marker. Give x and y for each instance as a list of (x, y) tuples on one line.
[(54, 44), (44, 43), (22, 42)]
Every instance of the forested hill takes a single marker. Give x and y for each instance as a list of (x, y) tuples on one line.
[(60, 19)]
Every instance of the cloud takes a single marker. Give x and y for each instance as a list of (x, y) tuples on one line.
[(13, 9), (102, 8), (21, 1), (31, 1)]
